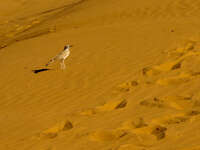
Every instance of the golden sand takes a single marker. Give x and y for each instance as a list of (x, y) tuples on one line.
[(131, 81)]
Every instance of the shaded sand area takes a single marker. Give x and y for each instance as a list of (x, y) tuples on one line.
[(131, 81)]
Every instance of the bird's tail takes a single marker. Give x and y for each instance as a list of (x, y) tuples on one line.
[(51, 61)]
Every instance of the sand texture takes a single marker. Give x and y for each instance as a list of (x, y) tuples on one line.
[(131, 81)]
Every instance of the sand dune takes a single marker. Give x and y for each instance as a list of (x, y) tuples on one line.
[(131, 81)]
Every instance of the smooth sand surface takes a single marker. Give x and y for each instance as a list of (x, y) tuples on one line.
[(131, 81)]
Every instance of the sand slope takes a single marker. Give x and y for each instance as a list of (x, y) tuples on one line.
[(131, 82)]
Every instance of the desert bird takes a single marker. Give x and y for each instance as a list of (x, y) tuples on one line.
[(61, 57)]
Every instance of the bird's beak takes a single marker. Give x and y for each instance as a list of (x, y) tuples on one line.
[(70, 45)]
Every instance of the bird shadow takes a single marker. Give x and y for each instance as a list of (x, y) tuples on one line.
[(40, 70)]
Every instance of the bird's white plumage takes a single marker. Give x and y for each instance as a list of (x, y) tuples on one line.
[(61, 57), (64, 54)]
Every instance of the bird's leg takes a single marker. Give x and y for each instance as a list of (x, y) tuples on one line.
[(62, 63)]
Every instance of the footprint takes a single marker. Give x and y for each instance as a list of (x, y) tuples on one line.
[(165, 67), (109, 106), (176, 120), (171, 120), (159, 132), (146, 134), (155, 102), (126, 87), (107, 135), (187, 47), (149, 71), (150, 132), (54, 131), (182, 53), (112, 105), (192, 113)]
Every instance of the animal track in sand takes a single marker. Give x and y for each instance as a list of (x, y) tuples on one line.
[(109, 106), (107, 135), (159, 132), (188, 46), (171, 120), (53, 132), (168, 66), (127, 86), (143, 130), (179, 64), (112, 105), (179, 103), (184, 105), (150, 132), (192, 113), (181, 54), (155, 102)]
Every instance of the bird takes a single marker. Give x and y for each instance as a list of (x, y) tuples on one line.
[(61, 57)]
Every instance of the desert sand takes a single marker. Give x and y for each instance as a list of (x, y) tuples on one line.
[(131, 81)]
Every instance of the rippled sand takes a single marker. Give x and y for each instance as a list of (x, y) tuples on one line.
[(131, 81)]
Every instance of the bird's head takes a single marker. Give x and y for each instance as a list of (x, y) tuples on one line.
[(67, 46)]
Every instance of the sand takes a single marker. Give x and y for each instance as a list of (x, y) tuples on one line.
[(131, 81)]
